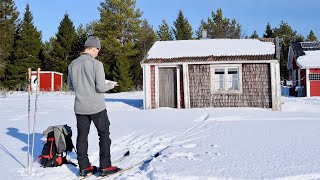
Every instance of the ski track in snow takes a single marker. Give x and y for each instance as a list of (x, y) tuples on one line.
[(143, 145), (160, 146)]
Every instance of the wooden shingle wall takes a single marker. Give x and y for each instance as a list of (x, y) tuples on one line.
[(199, 84), (256, 88), (256, 81)]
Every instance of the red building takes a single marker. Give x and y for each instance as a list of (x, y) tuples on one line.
[(304, 66), (49, 81)]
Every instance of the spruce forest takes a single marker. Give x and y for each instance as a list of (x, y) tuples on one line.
[(125, 38)]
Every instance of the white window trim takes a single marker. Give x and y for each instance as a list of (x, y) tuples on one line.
[(308, 82), (225, 67)]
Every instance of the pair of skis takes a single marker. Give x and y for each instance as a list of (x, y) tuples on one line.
[(133, 166), (113, 162), (136, 165), (36, 81)]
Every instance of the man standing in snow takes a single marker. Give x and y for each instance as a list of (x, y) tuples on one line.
[(86, 78)]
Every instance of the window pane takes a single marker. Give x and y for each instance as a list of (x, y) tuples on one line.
[(219, 81), (219, 85), (233, 79), (219, 71), (232, 70), (233, 85)]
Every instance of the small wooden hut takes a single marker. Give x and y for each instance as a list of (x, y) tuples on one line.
[(212, 73)]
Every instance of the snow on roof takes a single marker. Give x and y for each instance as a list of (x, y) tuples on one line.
[(311, 59), (210, 47)]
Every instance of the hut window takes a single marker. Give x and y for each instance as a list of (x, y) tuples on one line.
[(225, 79)]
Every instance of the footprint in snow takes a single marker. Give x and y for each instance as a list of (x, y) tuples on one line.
[(214, 146), (189, 146), (189, 156)]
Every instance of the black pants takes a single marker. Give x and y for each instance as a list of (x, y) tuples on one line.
[(102, 124)]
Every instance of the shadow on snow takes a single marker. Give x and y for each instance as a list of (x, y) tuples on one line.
[(137, 103), (14, 132)]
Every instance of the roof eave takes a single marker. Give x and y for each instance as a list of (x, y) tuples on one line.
[(211, 58)]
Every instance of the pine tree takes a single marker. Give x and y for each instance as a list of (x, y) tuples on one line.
[(203, 26), (82, 34), (299, 38), (8, 23), (182, 29), (312, 36), (220, 24), (219, 27), (64, 47), (46, 55), (164, 33), (26, 54), (234, 30), (269, 32), (118, 30), (146, 39), (287, 34), (254, 35), (122, 74)]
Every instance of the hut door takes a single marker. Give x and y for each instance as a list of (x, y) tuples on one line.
[(168, 87)]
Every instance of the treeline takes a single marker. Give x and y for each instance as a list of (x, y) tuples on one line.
[(125, 38)]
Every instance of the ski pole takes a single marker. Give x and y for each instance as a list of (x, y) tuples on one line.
[(35, 114), (28, 152)]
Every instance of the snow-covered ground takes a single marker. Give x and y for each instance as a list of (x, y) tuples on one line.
[(212, 143)]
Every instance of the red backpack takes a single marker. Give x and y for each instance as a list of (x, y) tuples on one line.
[(57, 146)]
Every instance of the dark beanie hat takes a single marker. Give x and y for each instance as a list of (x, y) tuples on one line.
[(93, 41)]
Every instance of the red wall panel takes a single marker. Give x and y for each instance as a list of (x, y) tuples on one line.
[(45, 81), (57, 82), (314, 88), (316, 71)]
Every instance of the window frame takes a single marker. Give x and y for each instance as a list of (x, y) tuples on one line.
[(225, 78)]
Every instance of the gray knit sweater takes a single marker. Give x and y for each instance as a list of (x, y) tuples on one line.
[(86, 78)]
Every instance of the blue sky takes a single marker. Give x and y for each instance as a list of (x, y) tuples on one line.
[(302, 16)]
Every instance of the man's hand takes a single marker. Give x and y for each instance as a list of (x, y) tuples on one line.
[(111, 83)]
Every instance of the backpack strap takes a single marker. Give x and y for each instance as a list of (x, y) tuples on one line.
[(68, 161)]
